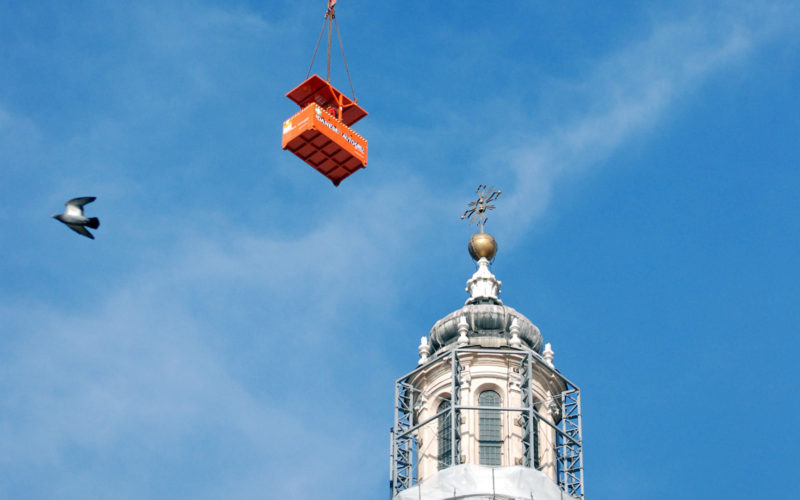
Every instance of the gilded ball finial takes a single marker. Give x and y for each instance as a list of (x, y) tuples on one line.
[(482, 245)]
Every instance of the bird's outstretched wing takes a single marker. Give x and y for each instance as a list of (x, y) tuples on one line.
[(81, 230), (75, 205)]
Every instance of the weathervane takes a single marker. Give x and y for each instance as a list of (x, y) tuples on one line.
[(476, 210)]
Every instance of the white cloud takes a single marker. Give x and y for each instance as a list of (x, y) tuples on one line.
[(626, 94), (160, 362)]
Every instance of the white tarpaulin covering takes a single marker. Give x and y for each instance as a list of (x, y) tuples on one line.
[(471, 481)]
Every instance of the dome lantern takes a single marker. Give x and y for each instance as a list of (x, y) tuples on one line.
[(485, 414)]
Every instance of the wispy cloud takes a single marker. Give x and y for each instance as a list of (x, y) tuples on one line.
[(628, 93), (139, 381), (224, 342)]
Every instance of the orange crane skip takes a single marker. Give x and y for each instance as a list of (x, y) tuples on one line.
[(320, 133)]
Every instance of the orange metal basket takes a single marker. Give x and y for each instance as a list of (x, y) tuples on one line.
[(318, 137)]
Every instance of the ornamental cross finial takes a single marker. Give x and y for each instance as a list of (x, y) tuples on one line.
[(476, 210)]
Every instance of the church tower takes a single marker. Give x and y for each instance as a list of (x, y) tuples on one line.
[(486, 414)]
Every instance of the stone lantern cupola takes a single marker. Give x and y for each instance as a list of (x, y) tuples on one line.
[(485, 414)]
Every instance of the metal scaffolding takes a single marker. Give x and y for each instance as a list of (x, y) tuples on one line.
[(568, 447), (530, 424), (403, 441)]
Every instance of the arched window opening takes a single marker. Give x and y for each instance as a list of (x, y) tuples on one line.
[(445, 437), (489, 438)]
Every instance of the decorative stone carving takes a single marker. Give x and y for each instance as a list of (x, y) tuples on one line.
[(483, 284), (465, 378), (482, 321), (515, 340), (548, 355), (555, 410), (424, 350), (463, 328), (421, 404)]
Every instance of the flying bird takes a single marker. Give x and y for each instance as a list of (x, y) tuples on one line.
[(74, 219)]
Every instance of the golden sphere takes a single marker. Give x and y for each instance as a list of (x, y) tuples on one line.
[(482, 245)]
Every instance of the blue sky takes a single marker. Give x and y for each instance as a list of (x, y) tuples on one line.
[(235, 329)]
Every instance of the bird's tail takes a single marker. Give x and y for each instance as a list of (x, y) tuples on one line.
[(94, 223)]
